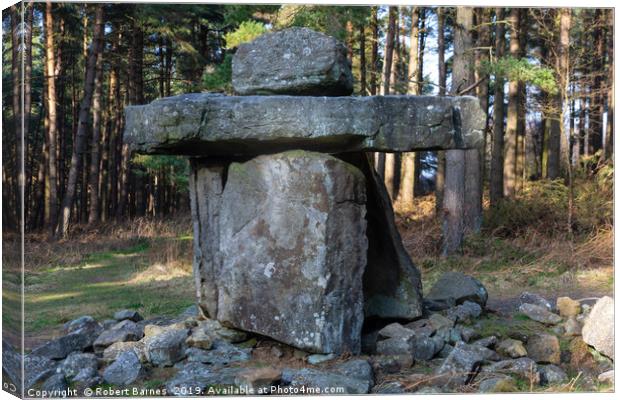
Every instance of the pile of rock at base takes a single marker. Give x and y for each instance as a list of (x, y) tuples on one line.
[(458, 345)]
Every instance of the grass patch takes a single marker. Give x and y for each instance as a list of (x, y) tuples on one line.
[(147, 272)]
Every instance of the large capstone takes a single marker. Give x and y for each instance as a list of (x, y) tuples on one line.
[(204, 124), (296, 61), (281, 247)]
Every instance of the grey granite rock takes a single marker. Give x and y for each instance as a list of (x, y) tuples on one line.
[(540, 314), (125, 370), (296, 61), (544, 348), (76, 362), (124, 331), (55, 386), (598, 330), (460, 287), (534, 298), (461, 366), (131, 315), (551, 374), (215, 125), (302, 221), (166, 348)]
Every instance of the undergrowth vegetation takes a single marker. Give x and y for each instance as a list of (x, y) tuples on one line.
[(527, 243)]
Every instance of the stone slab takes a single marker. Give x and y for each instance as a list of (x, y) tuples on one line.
[(216, 125), (288, 263), (296, 61)]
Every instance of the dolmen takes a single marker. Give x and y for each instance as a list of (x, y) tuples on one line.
[(294, 232)]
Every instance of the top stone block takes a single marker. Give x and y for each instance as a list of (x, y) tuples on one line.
[(295, 61)]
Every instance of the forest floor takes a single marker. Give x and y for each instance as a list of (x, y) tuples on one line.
[(147, 266), (581, 268)]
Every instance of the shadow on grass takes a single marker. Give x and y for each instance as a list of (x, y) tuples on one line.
[(135, 277)]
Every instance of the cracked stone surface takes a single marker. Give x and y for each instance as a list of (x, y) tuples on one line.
[(203, 124), (288, 264)]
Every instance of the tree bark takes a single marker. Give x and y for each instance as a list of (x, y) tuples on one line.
[(609, 130), (80, 137), (555, 158), (512, 119), (52, 207), (362, 39), (93, 179), (441, 155), (374, 54), (463, 184), (496, 189), (405, 197)]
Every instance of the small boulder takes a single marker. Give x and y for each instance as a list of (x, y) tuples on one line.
[(568, 307), (112, 352), (572, 327), (80, 323), (258, 380), (423, 348), (552, 374), (395, 346), (468, 334), (315, 359), (37, 368), (166, 348), (125, 370), (358, 369), (130, 315), (87, 378), (124, 331), (460, 287), (438, 321), (297, 61), (223, 353), (76, 362), (511, 348), (544, 348), (200, 339), (536, 299), (540, 314), (464, 312), (60, 348), (461, 366), (55, 386), (396, 330), (391, 364), (497, 384), (598, 330), (524, 367), (489, 341)]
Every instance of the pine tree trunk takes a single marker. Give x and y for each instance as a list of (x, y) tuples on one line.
[(80, 137), (556, 159), (93, 178), (52, 207), (374, 54), (496, 190), (609, 130), (512, 119), (463, 184), (362, 38), (405, 197), (441, 155)]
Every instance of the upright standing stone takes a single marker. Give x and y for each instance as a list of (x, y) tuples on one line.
[(295, 61), (283, 247)]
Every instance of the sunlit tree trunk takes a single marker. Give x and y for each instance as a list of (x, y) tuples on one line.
[(80, 137)]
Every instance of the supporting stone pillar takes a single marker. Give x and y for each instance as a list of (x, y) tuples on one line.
[(281, 248)]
